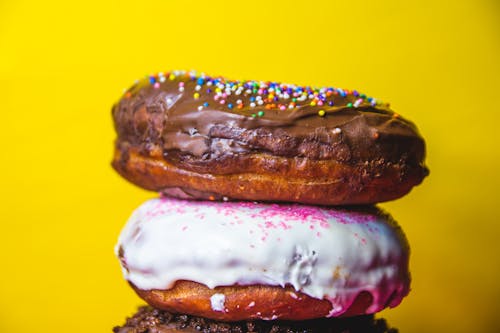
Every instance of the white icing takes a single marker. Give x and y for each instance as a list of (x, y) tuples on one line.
[(322, 252), (217, 302)]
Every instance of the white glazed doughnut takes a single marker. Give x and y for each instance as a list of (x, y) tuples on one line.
[(321, 253)]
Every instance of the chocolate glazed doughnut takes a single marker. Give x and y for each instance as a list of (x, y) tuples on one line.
[(195, 136)]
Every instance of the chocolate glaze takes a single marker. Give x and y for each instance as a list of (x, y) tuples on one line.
[(159, 116)]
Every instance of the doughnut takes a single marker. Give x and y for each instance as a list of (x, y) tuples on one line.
[(149, 320), (232, 261), (195, 136)]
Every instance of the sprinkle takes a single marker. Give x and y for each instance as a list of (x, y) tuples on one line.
[(266, 95), (358, 102)]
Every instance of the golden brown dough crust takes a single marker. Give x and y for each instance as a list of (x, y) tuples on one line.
[(246, 302), (262, 177)]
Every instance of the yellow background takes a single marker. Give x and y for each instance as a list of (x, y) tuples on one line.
[(63, 64)]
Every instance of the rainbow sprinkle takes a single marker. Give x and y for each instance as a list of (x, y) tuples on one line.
[(266, 95)]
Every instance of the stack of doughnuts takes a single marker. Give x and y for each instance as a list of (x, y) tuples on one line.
[(266, 219)]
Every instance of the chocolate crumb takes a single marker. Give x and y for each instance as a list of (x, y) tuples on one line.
[(150, 320)]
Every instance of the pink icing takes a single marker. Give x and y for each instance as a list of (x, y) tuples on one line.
[(286, 213), (282, 216)]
